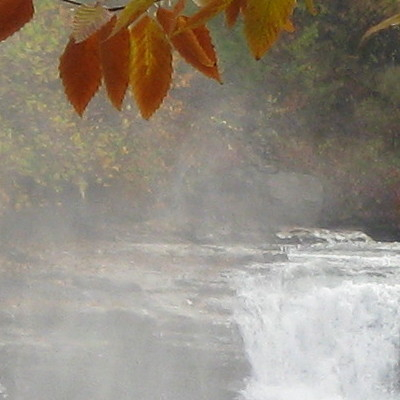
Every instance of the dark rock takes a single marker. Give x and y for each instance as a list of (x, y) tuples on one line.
[(275, 257)]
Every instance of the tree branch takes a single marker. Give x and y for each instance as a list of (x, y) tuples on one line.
[(77, 3)]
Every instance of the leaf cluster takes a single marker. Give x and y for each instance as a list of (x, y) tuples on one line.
[(134, 48)]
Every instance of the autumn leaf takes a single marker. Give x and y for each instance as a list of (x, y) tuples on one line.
[(263, 21), (168, 17), (194, 45), (151, 65), (210, 10), (388, 22), (87, 20), (189, 46), (203, 36), (179, 7), (115, 57), (80, 71), (232, 12), (14, 14), (131, 12)]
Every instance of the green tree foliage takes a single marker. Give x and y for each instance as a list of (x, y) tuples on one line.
[(336, 106), (324, 103)]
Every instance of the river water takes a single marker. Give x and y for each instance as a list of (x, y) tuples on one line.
[(152, 320), (325, 325)]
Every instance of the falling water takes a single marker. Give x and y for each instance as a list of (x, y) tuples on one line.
[(325, 326), (153, 321)]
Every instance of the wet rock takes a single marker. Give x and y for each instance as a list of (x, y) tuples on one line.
[(317, 235), (275, 257)]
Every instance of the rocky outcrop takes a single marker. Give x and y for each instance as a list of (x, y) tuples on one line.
[(318, 235)]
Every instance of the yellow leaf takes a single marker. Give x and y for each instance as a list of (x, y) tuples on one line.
[(80, 71), (132, 11), (289, 27), (87, 20), (210, 10), (115, 57), (151, 65), (392, 21), (14, 14), (263, 21)]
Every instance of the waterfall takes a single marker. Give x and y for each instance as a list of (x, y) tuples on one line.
[(319, 339)]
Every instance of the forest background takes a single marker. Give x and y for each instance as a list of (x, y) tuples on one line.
[(317, 103)]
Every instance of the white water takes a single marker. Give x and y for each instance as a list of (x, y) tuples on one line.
[(323, 326)]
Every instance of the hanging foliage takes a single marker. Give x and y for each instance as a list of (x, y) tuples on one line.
[(115, 59), (80, 71), (151, 65), (14, 14), (134, 47)]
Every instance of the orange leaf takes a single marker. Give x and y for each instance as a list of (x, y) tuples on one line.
[(80, 71), (205, 13), (167, 19), (194, 45), (179, 7), (151, 65), (203, 36), (131, 12), (232, 12), (263, 21), (114, 56), (189, 46), (14, 14)]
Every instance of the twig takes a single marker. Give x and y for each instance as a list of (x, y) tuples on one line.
[(77, 3)]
